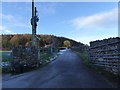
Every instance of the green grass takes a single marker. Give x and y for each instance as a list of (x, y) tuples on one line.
[(44, 57), (86, 60), (6, 69), (6, 58)]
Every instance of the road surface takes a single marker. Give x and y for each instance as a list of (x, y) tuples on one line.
[(67, 71)]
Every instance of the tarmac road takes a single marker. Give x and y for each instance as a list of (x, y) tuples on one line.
[(67, 71)]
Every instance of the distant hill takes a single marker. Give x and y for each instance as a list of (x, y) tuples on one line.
[(9, 41)]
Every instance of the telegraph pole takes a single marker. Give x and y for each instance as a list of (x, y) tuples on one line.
[(33, 24), (34, 21), (35, 39)]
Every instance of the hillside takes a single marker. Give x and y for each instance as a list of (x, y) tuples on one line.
[(9, 41)]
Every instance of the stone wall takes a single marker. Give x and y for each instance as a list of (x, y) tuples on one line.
[(106, 53), (23, 58)]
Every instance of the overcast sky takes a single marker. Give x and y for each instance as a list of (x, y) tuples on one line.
[(80, 21)]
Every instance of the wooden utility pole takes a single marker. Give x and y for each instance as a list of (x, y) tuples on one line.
[(33, 24), (34, 21)]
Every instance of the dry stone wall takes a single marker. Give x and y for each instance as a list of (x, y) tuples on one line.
[(23, 58), (106, 53)]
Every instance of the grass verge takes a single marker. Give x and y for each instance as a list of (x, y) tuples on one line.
[(86, 60), (45, 58)]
